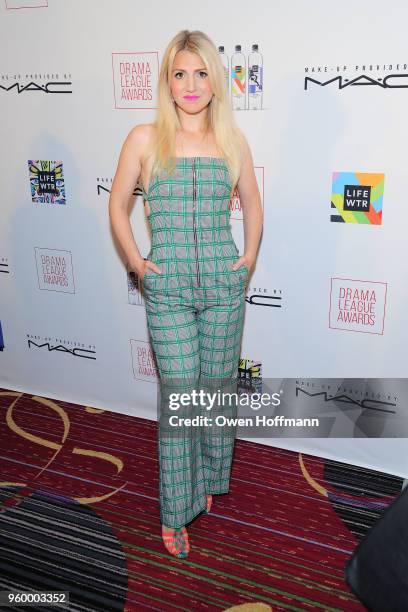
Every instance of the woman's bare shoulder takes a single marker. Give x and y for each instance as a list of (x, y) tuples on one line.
[(141, 137)]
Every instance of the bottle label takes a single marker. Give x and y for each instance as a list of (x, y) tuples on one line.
[(255, 79), (238, 79)]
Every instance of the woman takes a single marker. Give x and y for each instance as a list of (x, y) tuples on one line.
[(189, 162)]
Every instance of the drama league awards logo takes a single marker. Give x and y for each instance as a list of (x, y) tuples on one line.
[(54, 270), (235, 203), (143, 361), (46, 182), (357, 305), (357, 197), (135, 77)]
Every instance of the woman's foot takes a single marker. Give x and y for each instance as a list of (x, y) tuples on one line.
[(209, 502), (176, 541)]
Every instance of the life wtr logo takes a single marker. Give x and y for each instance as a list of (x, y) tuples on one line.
[(357, 197)]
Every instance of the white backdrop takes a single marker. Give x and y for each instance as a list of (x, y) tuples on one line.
[(72, 321)]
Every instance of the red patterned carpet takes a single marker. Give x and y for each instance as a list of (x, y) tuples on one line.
[(79, 512)]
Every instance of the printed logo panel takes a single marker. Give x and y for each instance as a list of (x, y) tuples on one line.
[(357, 197), (143, 361), (46, 182), (135, 77), (54, 269), (357, 305)]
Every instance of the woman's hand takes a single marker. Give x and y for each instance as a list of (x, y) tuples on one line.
[(142, 265), (244, 260)]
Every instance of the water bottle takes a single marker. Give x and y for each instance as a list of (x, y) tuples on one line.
[(225, 63), (238, 79), (255, 79)]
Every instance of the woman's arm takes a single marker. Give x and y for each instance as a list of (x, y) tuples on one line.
[(250, 199), (126, 177)]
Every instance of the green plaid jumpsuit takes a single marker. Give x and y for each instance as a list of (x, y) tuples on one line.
[(195, 312)]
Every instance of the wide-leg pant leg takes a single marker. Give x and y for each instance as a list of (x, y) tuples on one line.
[(174, 335), (220, 335)]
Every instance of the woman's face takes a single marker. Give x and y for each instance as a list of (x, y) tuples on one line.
[(189, 82)]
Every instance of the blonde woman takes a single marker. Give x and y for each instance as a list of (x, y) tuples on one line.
[(189, 161)]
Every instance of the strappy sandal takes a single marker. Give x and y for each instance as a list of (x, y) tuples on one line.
[(176, 542)]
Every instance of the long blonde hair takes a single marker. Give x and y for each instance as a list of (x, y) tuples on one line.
[(219, 119)]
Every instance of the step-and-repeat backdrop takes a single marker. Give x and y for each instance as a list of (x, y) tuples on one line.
[(321, 92)]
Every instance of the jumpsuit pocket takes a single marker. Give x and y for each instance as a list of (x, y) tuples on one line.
[(156, 280), (242, 273), (148, 276)]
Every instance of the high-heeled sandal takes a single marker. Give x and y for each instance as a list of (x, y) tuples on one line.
[(176, 541)]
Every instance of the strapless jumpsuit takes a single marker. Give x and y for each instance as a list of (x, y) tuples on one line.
[(195, 313)]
